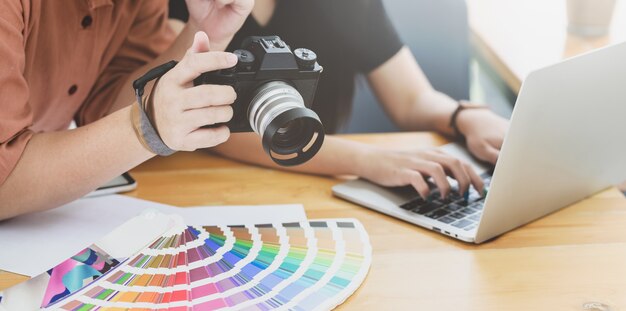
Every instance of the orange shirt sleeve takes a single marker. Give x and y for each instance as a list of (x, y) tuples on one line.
[(15, 113), (149, 36)]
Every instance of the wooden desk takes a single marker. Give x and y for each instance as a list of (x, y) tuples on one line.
[(515, 37), (574, 256)]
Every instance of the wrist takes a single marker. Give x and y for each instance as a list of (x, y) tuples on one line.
[(469, 118), (361, 162), (143, 124), (133, 136), (464, 116)]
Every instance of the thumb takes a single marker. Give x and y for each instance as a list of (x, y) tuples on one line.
[(491, 154), (200, 43)]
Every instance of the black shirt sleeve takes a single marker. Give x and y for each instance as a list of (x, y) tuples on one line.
[(370, 37)]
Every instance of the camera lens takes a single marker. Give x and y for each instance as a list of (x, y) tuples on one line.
[(292, 134), (290, 137)]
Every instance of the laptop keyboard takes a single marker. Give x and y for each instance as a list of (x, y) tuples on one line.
[(454, 210)]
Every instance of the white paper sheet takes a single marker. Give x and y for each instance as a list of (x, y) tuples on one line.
[(124, 241), (231, 215), (31, 244)]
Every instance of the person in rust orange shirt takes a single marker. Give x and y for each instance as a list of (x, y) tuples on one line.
[(75, 60)]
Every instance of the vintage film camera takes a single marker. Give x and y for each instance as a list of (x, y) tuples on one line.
[(275, 90)]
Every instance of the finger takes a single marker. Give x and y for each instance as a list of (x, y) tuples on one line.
[(208, 116), (416, 180), (200, 43), (208, 95), (437, 172), (476, 180), (206, 138), (497, 142), (454, 166), (195, 64)]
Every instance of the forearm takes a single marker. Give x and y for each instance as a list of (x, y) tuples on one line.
[(429, 111), (409, 98), (336, 157), (58, 167)]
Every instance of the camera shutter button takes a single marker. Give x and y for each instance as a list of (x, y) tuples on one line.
[(246, 60), (306, 58)]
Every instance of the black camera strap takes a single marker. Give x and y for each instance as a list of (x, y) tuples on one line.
[(145, 128)]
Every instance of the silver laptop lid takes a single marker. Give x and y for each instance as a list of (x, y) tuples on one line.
[(567, 141)]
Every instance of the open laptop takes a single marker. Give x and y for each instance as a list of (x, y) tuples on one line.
[(565, 143)]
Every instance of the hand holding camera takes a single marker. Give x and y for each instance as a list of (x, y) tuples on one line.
[(270, 86), (181, 110)]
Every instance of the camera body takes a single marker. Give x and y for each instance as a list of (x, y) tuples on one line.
[(261, 60), (275, 89)]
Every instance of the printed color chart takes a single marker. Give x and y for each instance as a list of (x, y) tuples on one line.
[(311, 265)]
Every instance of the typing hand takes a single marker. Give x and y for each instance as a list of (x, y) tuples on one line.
[(484, 133), (220, 19), (180, 110), (403, 168)]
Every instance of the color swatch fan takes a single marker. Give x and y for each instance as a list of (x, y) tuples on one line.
[(310, 265)]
